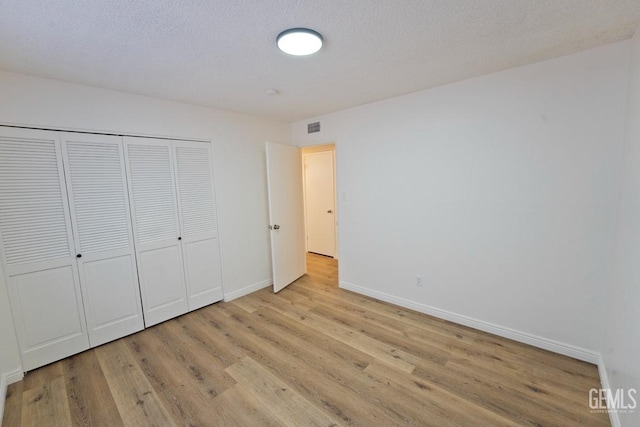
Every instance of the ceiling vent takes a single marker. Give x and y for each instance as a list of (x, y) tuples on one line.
[(313, 127)]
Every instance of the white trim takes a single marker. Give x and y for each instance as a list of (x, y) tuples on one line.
[(247, 290), (100, 132), (6, 379), (523, 337), (3, 394), (604, 381), (14, 376)]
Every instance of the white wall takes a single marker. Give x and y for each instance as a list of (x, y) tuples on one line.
[(621, 344), (240, 170), (499, 190)]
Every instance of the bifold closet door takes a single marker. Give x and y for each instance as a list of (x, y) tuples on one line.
[(97, 188), (152, 196), (198, 222), (36, 244)]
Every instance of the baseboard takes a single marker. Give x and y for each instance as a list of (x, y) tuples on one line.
[(14, 376), (604, 383), (3, 395), (5, 380), (247, 290), (523, 337)]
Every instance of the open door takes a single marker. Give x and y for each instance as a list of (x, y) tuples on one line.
[(286, 214)]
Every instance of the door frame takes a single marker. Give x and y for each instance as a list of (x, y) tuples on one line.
[(317, 149)]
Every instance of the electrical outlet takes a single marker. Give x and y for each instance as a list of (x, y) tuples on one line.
[(418, 280)]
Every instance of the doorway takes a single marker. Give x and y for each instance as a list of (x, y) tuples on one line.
[(319, 192), (288, 208)]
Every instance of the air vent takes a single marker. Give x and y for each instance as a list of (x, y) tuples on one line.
[(313, 127)]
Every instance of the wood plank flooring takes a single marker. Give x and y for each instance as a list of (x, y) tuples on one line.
[(312, 355)]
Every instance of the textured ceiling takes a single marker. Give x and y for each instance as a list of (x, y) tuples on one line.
[(222, 54)]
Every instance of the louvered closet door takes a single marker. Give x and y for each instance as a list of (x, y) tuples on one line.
[(36, 244), (198, 222), (152, 196), (97, 188)]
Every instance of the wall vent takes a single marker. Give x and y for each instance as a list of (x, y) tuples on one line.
[(313, 127)]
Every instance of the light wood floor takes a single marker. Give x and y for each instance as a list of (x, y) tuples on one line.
[(313, 355)]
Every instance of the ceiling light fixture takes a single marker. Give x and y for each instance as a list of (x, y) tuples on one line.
[(299, 41)]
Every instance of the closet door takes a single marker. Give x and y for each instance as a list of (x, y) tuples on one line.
[(36, 244), (198, 222), (152, 195), (97, 188)]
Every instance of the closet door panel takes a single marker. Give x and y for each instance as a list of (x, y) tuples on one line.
[(163, 267), (37, 249), (97, 186), (198, 220), (156, 229), (49, 314), (202, 264), (111, 289)]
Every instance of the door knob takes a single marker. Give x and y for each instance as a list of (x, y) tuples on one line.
[(329, 211), (276, 227), (79, 256)]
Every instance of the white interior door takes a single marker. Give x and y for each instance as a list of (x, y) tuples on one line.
[(36, 244), (198, 222), (97, 188), (152, 196), (319, 202), (286, 214)]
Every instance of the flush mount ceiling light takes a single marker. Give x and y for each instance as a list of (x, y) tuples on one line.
[(299, 41)]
